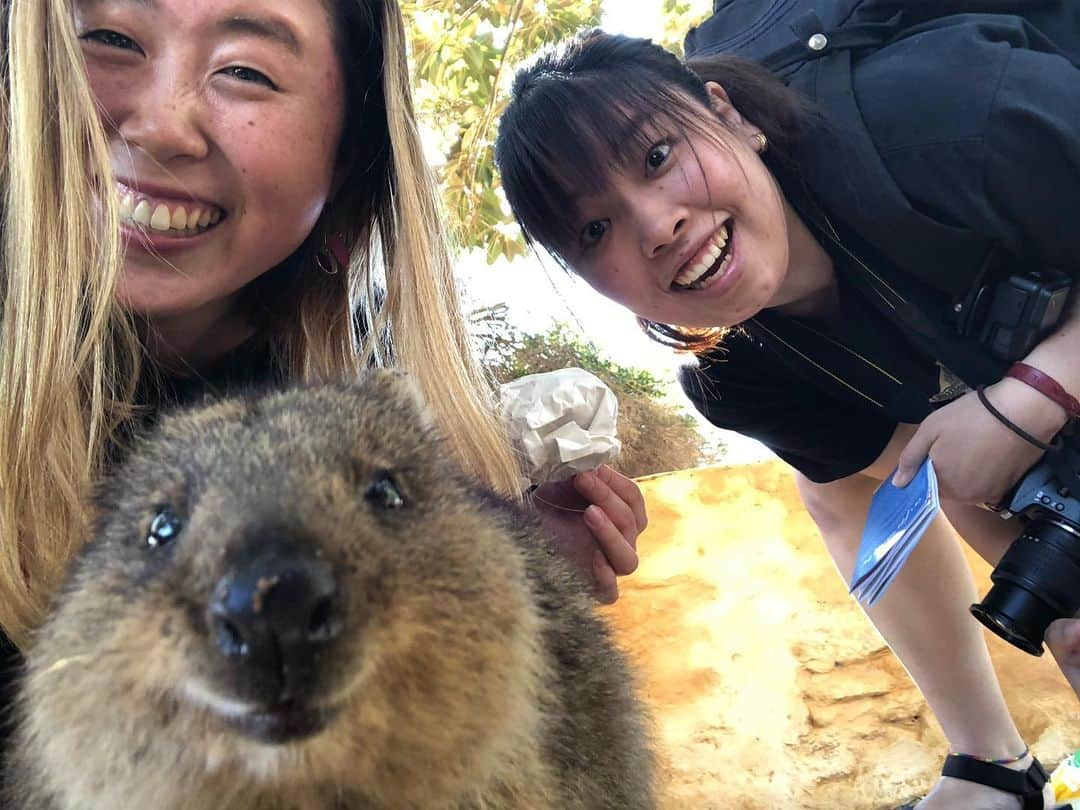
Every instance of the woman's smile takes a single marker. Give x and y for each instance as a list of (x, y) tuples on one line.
[(159, 221), (710, 262), (161, 213)]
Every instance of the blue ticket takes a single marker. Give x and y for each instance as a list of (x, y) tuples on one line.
[(895, 523)]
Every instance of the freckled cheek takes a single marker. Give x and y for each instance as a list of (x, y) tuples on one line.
[(277, 164), (111, 94)]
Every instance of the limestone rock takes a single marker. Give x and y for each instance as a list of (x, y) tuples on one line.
[(770, 687)]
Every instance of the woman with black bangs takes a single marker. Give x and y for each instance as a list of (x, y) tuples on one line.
[(686, 194)]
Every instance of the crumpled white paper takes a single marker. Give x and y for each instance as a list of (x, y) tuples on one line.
[(562, 421)]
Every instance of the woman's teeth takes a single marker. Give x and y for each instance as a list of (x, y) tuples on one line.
[(160, 216), (693, 276)]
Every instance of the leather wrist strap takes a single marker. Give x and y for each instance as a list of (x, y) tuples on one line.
[(1045, 385)]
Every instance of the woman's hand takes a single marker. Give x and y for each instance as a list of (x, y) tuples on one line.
[(1063, 639), (595, 519), (977, 459)]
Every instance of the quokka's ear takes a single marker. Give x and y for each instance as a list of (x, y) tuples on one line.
[(398, 390)]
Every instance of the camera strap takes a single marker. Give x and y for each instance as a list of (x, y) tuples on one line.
[(919, 314)]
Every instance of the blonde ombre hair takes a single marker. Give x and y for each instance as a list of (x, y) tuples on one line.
[(69, 357)]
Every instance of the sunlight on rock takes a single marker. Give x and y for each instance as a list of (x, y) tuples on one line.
[(769, 686)]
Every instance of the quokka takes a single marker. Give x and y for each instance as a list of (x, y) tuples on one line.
[(296, 601)]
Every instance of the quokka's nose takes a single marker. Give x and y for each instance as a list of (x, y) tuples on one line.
[(271, 617)]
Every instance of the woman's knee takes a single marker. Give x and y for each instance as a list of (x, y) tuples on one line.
[(837, 506)]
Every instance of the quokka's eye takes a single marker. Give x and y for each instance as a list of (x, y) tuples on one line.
[(164, 528), (384, 493)]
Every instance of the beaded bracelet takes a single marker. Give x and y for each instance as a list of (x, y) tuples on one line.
[(1009, 761), (1019, 431)]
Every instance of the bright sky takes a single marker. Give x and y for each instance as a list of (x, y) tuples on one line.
[(636, 18), (538, 293)]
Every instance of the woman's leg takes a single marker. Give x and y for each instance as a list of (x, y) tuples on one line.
[(924, 618), (983, 530)]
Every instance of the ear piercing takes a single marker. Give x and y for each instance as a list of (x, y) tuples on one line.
[(761, 142)]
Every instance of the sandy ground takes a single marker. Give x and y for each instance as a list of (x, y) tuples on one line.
[(769, 687)]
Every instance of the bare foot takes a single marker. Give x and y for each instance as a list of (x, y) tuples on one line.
[(950, 794), (1063, 639)]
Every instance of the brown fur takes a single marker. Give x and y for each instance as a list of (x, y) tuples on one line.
[(471, 671)]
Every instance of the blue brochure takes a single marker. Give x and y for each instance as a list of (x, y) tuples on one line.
[(895, 524)]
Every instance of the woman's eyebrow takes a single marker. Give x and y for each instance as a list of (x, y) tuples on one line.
[(640, 126), (266, 28)]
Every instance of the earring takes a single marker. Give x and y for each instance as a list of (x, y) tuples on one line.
[(761, 142), (326, 263), (333, 255)]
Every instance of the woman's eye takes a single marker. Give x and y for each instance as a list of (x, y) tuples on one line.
[(594, 232), (246, 74), (112, 39), (164, 528), (657, 155)]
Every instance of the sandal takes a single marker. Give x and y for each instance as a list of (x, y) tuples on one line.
[(1027, 785)]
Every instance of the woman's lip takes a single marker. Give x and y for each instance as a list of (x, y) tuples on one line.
[(165, 194), (154, 242)]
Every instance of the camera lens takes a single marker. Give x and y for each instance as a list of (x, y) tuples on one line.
[(1036, 582)]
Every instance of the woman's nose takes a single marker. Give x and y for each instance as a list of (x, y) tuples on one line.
[(164, 119), (660, 228)]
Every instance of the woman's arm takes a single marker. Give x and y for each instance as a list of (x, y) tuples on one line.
[(1028, 200), (977, 458), (1059, 354)]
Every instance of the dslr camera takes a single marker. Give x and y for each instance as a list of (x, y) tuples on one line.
[(1038, 579)]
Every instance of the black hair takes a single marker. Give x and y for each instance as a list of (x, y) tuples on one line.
[(579, 111), (364, 190), (365, 139)]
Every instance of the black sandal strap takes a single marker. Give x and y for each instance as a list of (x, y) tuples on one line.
[(1028, 785)]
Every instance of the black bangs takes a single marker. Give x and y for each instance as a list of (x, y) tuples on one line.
[(565, 134)]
